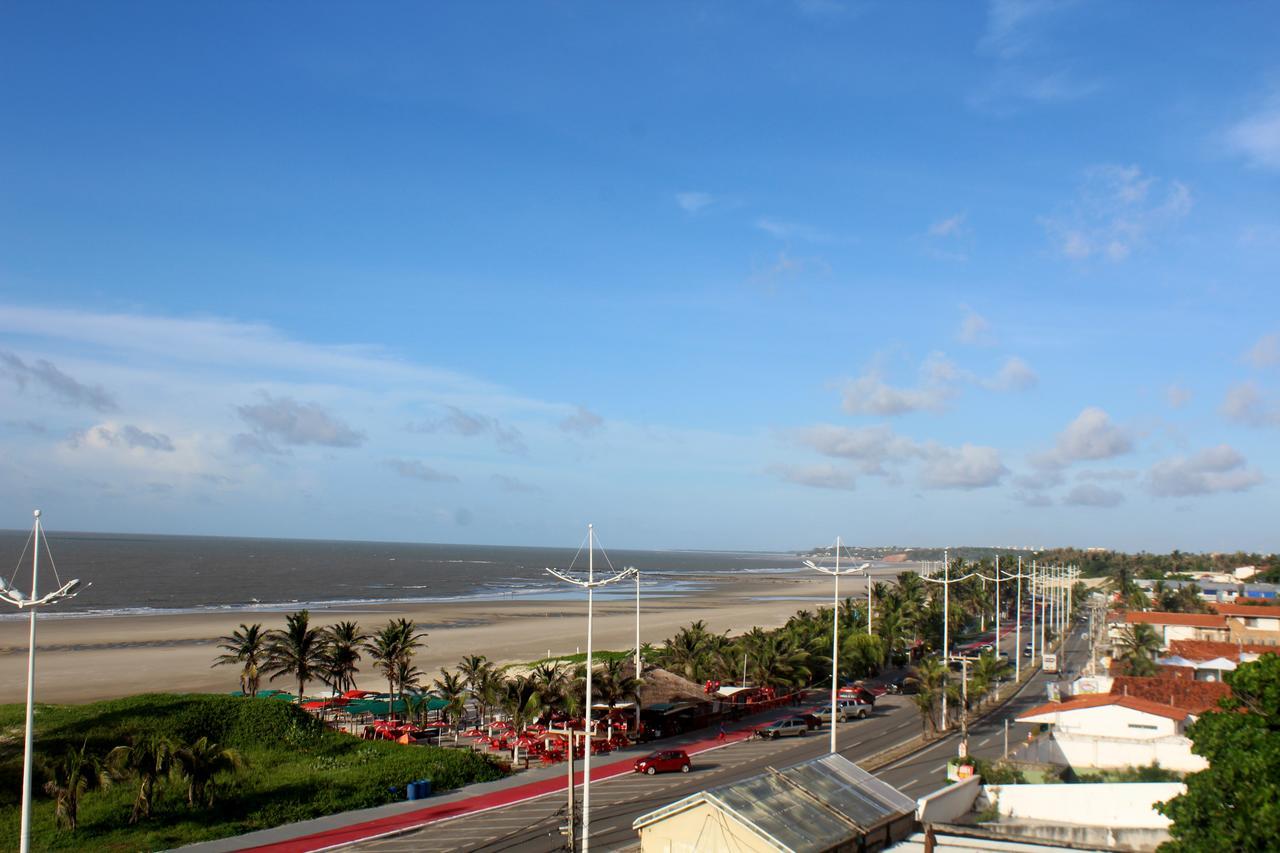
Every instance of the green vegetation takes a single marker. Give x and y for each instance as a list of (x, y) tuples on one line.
[(1153, 772), (1234, 804), (196, 767)]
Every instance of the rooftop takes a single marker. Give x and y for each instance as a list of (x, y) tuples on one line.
[(1203, 650), (1191, 620), (1267, 611), (1194, 697), (804, 807), (1081, 703)]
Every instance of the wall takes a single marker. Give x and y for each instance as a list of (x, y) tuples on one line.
[(1084, 752), (1120, 804), (947, 804), (701, 828)]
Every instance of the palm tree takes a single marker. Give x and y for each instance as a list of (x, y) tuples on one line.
[(931, 679), (612, 685), (246, 647), (297, 650), (1138, 645), (987, 672), (452, 687), (408, 675), (342, 654), (384, 650), (148, 757), (521, 701), (199, 763), (552, 682), (78, 771)]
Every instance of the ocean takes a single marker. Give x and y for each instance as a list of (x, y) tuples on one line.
[(148, 574)]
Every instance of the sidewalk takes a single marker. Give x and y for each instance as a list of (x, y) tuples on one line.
[(347, 827)]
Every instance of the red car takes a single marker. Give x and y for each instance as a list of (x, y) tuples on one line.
[(667, 761)]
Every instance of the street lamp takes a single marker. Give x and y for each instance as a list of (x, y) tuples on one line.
[(18, 599), (589, 585), (835, 628)]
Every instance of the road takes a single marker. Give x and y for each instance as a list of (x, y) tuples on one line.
[(533, 827)]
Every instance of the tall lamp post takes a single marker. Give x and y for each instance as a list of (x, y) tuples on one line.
[(835, 628), (22, 602), (589, 585)]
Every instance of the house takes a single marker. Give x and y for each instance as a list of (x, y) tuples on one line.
[(824, 804), (1172, 626), (1251, 623), (1114, 731), (1197, 651), (1194, 697)]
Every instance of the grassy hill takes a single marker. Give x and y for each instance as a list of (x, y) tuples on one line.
[(296, 769)]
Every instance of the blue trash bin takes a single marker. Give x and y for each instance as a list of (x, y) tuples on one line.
[(413, 791), (424, 788)]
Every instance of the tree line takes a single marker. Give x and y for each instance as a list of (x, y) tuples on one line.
[(331, 654)]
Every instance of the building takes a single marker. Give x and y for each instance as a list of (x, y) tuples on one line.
[(825, 804), (1172, 626), (1251, 623), (1114, 731), (1227, 591)]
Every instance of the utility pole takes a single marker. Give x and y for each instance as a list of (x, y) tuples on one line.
[(1017, 643), (946, 627)]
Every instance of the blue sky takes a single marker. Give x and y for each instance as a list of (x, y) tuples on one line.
[(707, 274)]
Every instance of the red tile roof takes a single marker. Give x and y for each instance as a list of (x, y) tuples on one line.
[(1247, 610), (1191, 620), (1203, 650), (1080, 703), (1191, 696)]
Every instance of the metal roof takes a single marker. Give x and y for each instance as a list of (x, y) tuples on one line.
[(811, 806)]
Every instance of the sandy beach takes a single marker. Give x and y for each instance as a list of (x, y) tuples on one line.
[(89, 658)]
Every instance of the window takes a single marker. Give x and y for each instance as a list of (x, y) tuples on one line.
[(1143, 726)]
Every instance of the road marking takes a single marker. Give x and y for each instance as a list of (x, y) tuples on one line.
[(912, 782)]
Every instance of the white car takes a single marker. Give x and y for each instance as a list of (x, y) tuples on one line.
[(846, 709), (784, 728)]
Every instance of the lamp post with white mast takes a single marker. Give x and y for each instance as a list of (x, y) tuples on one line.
[(589, 585), (22, 602), (835, 629)]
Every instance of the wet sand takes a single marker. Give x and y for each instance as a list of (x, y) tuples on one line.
[(84, 659)]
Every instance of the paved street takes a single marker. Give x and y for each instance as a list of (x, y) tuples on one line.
[(534, 826)]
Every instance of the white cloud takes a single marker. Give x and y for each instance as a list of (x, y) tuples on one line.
[(125, 435), (1266, 352), (872, 447), (1257, 137), (468, 423), (1245, 404), (291, 422), (1015, 375), (820, 476), (513, 484), (1117, 210), (793, 231), (966, 467), (694, 202), (1013, 25), (46, 375), (869, 394), (415, 470), (1212, 470), (975, 329), (1177, 395), (1037, 500), (952, 226), (1089, 494), (584, 422), (1090, 437)]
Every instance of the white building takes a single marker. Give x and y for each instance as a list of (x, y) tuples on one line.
[(1108, 731)]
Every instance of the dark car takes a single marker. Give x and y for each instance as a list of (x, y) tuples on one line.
[(666, 761), (810, 720), (903, 685)]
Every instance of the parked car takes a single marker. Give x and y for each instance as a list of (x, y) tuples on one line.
[(784, 728), (666, 761), (846, 709), (811, 720), (1026, 650)]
